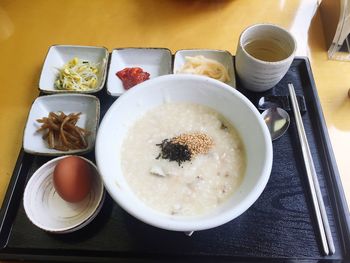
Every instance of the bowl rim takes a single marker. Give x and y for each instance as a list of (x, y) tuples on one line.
[(192, 224)]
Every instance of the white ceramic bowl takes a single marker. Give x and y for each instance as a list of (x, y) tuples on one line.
[(184, 88), (48, 211)]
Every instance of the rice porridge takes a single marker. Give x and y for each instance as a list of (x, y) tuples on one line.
[(183, 159)]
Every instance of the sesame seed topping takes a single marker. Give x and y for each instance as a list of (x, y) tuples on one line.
[(185, 146), (197, 143)]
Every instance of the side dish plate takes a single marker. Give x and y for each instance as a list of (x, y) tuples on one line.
[(88, 105), (48, 211), (155, 61), (59, 55), (221, 56)]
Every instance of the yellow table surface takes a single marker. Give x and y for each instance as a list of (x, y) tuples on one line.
[(29, 28)]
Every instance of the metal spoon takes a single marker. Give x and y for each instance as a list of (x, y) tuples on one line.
[(277, 121)]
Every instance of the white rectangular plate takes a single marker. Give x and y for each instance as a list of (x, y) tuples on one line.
[(59, 55), (88, 105), (221, 56), (155, 61)]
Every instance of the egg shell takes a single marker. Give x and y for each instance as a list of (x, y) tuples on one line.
[(72, 179)]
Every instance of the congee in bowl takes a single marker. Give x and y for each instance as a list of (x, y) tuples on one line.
[(184, 152), (188, 150)]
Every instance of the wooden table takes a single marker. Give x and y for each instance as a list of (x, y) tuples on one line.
[(28, 28)]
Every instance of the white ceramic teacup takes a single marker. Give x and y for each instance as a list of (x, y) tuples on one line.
[(264, 55)]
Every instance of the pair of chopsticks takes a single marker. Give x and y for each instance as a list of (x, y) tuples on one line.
[(317, 200)]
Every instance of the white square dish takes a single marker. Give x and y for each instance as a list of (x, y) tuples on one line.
[(88, 105), (222, 56), (59, 55), (155, 61)]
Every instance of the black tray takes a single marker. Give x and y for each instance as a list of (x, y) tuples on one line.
[(279, 226)]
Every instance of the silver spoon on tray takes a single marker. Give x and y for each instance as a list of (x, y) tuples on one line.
[(277, 121)]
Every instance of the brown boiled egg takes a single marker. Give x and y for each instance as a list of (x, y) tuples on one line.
[(72, 179)]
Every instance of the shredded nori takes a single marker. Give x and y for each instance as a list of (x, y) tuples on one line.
[(174, 151)]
